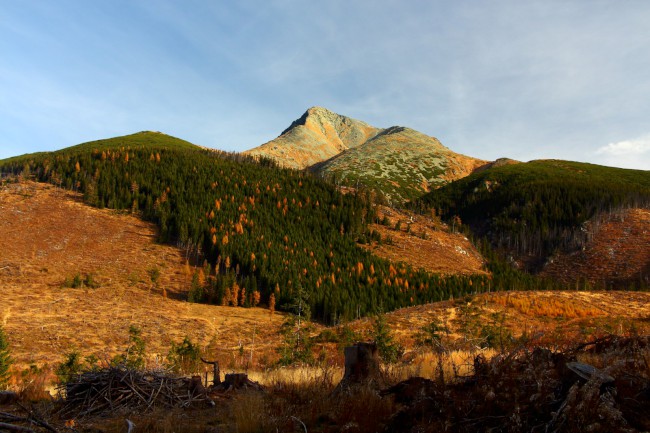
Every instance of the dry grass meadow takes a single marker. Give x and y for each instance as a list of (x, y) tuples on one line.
[(49, 235), (425, 243)]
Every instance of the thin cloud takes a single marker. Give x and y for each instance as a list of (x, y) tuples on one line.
[(637, 146)]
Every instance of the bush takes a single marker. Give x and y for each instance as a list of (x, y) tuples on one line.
[(71, 367), (77, 281), (134, 355), (432, 334)]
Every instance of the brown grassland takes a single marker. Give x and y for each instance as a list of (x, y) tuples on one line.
[(49, 235), (425, 243)]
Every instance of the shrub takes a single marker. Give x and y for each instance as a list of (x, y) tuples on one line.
[(77, 281), (431, 335), (71, 367), (134, 355)]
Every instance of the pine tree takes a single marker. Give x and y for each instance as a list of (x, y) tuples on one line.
[(5, 359), (389, 350)]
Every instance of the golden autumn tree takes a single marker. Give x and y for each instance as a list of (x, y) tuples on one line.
[(257, 297), (234, 294)]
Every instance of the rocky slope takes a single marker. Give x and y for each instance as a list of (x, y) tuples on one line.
[(400, 162), (317, 135)]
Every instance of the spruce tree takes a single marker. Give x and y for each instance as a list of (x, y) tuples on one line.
[(5, 359)]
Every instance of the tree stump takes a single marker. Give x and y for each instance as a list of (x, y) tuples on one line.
[(236, 380), (216, 373), (361, 364), (8, 397)]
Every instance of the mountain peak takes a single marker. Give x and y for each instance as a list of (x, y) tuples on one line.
[(317, 135), (401, 162)]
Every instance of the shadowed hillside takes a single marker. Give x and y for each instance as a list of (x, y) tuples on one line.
[(545, 211)]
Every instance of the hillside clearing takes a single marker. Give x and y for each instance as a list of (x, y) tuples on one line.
[(50, 236)]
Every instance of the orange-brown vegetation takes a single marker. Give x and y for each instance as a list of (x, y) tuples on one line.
[(618, 251), (49, 236), (426, 243)]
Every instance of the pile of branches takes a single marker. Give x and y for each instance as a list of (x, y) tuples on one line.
[(114, 388), (536, 390)]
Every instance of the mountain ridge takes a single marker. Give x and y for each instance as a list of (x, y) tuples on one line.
[(399, 162)]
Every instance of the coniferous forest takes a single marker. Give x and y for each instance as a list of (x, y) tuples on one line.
[(255, 231), (533, 210)]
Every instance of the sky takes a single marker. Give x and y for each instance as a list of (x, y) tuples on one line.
[(562, 79)]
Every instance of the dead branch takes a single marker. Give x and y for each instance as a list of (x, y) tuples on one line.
[(18, 428), (115, 388)]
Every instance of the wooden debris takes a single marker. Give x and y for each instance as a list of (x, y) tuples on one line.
[(32, 422), (115, 388), (533, 390), (589, 372)]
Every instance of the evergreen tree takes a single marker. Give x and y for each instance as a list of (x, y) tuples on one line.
[(297, 343), (134, 355), (5, 359), (389, 350)]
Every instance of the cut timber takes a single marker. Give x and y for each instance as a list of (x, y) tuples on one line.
[(361, 364), (236, 380)]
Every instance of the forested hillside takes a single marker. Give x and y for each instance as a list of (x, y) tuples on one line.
[(259, 233), (534, 210)]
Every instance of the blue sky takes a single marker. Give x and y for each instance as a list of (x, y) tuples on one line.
[(567, 79)]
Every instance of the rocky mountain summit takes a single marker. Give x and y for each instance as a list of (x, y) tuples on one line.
[(316, 136), (399, 162)]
